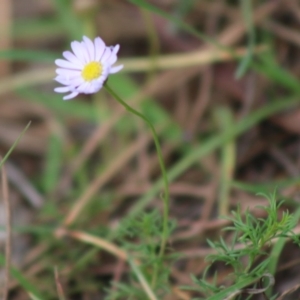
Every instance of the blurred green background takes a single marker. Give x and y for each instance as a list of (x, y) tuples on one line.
[(218, 80)]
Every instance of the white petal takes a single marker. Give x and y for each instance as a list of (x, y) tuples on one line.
[(90, 89), (90, 48), (66, 64), (96, 85), (70, 96), (59, 77), (62, 80), (75, 82), (113, 57), (68, 73), (83, 87), (116, 49), (105, 55), (73, 59), (85, 53), (77, 49), (116, 69), (103, 76), (71, 83), (63, 89), (99, 48)]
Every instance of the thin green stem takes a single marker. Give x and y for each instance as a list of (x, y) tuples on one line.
[(163, 170)]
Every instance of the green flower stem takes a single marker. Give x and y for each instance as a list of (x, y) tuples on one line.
[(162, 166)]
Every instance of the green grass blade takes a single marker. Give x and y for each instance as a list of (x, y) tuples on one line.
[(276, 251), (268, 66), (18, 276), (33, 297), (14, 145), (248, 17), (53, 163), (227, 162), (183, 7)]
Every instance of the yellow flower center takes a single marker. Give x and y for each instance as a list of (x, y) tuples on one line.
[(91, 71)]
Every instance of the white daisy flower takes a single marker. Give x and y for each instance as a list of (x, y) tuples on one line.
[(87, 68)]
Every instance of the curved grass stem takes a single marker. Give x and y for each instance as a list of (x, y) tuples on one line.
[(163, 171)]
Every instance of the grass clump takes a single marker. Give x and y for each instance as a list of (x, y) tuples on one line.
[(248, 254)]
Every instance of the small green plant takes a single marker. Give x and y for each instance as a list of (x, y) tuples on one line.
[(140, 236), (247, 257)]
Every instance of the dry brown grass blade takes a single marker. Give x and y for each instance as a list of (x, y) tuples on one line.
[(174, 61), (289, 291), (19, 180), (8, 247), (112, 169), (202, 100), (284, 32), (182, 295), (59, 287), (236, 31), (93, 240), (5, 29)]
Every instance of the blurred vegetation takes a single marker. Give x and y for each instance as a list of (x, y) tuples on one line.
[(219, 81)]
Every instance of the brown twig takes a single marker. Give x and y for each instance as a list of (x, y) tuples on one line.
[(59, 287), (5, 195)]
